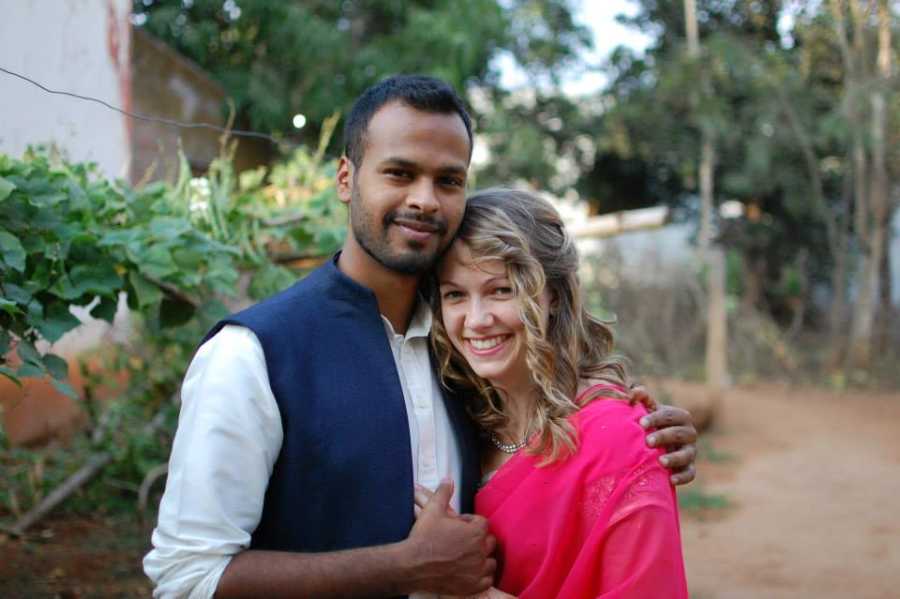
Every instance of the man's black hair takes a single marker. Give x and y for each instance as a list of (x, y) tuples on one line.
[(416, 91)]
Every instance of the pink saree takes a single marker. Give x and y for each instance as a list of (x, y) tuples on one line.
[(601, 523)]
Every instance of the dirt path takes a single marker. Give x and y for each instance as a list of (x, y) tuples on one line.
[(815, 487), (813, 478)]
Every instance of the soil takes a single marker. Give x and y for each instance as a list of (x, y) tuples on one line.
[(812, 480)]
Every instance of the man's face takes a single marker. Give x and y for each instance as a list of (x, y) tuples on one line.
[(407, 197)]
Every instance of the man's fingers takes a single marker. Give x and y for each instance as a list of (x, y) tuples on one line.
[(680, 459), (673, 436), (639, 394), (480, 521), (490, 544), (685, 476), (667, 416), (490, 566), (485, 583)]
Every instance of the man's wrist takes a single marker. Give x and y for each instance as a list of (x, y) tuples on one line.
[(407, 554)]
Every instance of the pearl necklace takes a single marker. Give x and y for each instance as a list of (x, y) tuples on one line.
[(507, 447)]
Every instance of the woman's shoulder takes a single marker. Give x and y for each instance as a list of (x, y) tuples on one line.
[(609, 430)]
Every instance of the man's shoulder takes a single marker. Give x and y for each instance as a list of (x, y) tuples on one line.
[(296, 299)]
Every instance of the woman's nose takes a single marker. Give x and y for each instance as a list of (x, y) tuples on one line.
[(478, 316)]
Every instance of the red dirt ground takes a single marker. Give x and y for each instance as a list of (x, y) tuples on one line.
[(815, 484), (813, 479)]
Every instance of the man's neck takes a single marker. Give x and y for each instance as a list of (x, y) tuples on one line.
[(395, 292)]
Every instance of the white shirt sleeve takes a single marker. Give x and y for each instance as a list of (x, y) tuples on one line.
[(228, 438)]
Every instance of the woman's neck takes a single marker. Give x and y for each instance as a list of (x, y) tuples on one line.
[(519, 404)]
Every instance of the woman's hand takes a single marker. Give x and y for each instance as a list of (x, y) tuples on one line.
[(674, 431), (422, 497)]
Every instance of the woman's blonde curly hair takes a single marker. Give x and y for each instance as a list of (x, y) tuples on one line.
[(527, 234)]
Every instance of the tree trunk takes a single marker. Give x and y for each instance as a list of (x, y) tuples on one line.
[(873, 223), (717, 317), (885, 319)]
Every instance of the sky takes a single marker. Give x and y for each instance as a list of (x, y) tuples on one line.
[(600, 17)]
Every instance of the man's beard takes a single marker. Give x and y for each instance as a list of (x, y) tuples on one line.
[(374, 241)]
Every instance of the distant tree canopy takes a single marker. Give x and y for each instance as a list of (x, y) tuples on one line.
[(799, 99), (313, 57)]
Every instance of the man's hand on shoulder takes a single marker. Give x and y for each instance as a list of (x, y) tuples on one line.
[(449, 554), (672, 428)]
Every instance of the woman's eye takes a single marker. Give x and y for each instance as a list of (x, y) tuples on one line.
[(503, 291), (452, 295)]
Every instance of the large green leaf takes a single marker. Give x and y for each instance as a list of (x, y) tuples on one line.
[(9, 307), (156, 262), (148, 293), (10, 374), (106, 308), (56, 366), (29, 370), (57, 322), (95, 278), (6, 188), (15, 293), (27, 352), (65, 388), (11, 251)]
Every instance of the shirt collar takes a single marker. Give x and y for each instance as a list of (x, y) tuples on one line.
[(419, 325)]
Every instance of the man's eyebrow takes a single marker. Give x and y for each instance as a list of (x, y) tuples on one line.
[(404, 162), (455, 169)]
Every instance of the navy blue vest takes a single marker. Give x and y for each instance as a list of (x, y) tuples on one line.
[(344, 476)]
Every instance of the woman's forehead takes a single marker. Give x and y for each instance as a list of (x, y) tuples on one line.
[(459, 259)]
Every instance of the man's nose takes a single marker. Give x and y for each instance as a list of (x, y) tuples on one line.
[(422, 196)]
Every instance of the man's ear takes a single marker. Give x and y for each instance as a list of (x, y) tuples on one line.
[(344, 179)]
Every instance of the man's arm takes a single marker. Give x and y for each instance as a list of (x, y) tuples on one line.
[(229, 436), (443, 554), (672, 428)]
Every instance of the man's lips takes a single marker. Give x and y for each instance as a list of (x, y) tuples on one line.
[(417, 225), (416, 229)]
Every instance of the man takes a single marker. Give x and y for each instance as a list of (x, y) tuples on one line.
[(308, 418)]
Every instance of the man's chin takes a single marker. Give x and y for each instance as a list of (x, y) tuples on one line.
[(413, 261)]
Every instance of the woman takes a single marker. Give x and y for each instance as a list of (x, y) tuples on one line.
[(578, 503)]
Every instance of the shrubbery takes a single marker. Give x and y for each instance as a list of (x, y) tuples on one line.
[(180, 252)]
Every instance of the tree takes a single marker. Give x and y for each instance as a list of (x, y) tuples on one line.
[(276, 59), (867, 79)]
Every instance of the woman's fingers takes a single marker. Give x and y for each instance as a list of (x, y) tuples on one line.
[(422, 496)]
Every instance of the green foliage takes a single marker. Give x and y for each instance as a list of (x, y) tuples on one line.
[(179, 252), (697, 501), (279, 58)]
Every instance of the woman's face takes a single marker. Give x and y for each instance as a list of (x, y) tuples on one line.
[(482, 316)]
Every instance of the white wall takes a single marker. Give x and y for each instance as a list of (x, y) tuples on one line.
[(79, 46)]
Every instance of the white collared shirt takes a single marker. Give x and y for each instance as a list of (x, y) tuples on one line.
[(229, 436)]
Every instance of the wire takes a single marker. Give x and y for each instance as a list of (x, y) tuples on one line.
[(143, 117)]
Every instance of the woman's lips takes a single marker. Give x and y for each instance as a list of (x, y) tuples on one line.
[(486, 346)]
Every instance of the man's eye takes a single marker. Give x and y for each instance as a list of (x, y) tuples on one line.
[(452, 182), (398, 173)]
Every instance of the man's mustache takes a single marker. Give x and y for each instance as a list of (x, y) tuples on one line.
[(436, 224)]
